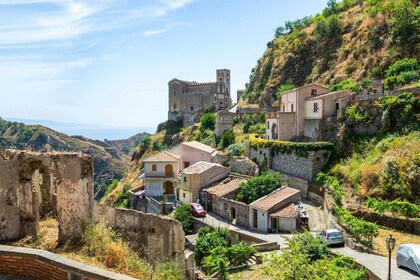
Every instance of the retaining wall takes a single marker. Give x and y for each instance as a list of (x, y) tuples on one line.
[(40, 264)]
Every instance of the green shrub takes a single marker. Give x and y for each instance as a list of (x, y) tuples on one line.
[(236, 150), (208, 121), (409, 76), (228, 138), (403, 65), (332, 183), (285, 147), (284, 88), (396, 206), (359, 228), (207, 241), (183, 214), (257, 187)]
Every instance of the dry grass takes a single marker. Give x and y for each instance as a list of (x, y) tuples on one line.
[(252, 273), (99, 247), (401, 237)]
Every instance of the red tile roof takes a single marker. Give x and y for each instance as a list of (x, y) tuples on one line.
[(271, 199), (226, 186), (163, 156), (289, 211)]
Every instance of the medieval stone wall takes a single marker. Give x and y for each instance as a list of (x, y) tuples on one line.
[(299, 166), (33, 185), (244, 166), (155, 237)]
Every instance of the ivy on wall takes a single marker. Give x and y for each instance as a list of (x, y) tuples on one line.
[(286, 147)]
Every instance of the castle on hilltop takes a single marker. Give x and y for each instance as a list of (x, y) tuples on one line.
[(187, 100)]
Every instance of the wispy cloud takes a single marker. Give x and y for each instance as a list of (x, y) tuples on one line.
[(164, 29)]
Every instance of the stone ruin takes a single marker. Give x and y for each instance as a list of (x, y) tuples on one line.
[(34, 185)]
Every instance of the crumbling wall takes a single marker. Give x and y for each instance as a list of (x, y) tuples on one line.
[(30, 184), (157, 238)]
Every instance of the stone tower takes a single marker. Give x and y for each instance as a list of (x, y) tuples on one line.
[(189, 99), (223, 80)]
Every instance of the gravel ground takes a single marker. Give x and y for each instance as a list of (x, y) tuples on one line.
[(315, 214)]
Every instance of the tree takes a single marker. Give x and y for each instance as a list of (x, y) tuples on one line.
[(257, 187), (228, 138), (183, 214), (207, 241), (309, 258), (208, 121)]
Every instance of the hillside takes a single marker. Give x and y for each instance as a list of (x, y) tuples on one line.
[(350, 44), (109, 163)]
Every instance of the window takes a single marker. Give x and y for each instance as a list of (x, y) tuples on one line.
[(183, 195), (313, 92), (316, 107), (215, 98), (154, 168), (268, 125), (185, 179), (192, 108), (227, 90), (284, 108), (291, 108), (227, 80), (174, 92)]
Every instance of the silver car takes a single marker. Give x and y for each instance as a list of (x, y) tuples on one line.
[(332, 236), (408, 255)]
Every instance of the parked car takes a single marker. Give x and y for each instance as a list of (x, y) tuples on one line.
[(408, 255), (198, 210), (332, 236)]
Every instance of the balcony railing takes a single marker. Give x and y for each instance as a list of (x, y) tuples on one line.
[(155, 174)]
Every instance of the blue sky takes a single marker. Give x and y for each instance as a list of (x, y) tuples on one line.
[(108, 62)]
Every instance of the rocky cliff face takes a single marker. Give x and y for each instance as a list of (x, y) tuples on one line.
[(109, 162)]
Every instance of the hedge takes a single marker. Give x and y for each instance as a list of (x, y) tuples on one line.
[(287, 147)]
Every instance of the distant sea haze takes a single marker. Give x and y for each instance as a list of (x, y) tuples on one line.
[(97, 132)]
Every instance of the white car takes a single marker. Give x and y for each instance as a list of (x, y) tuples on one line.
[(408, 255), (331, 236)]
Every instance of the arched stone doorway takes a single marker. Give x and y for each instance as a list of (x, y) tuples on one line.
[(274, 131), (168, 187), (169, 170)]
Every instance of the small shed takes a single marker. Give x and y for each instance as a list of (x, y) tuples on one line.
[(261, 209)]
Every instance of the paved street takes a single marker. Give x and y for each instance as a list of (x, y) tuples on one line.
[(378, 265)]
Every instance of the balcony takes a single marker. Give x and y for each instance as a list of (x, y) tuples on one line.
[(155, 174)]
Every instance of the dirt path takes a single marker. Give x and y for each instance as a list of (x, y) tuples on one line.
[(316, 215)]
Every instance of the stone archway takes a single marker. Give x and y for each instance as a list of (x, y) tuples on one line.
[(168, 187)]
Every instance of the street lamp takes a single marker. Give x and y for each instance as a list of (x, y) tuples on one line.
[(390, 244)]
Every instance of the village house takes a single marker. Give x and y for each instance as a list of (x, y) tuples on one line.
[(188, 99), (302, 110), (224, 122), (160, 173), (196, 177), (261, 209), (193, 151), (219, 198)]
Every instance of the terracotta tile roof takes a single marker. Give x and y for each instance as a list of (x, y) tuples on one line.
[(289, 211), (226, 186), (202, 166), (199, 146), (163, 156), (271, 199)]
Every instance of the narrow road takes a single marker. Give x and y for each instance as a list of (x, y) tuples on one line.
[(214, 220), (378, 265)]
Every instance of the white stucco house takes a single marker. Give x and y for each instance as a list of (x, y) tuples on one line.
[(160, 172), (261, 209)]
